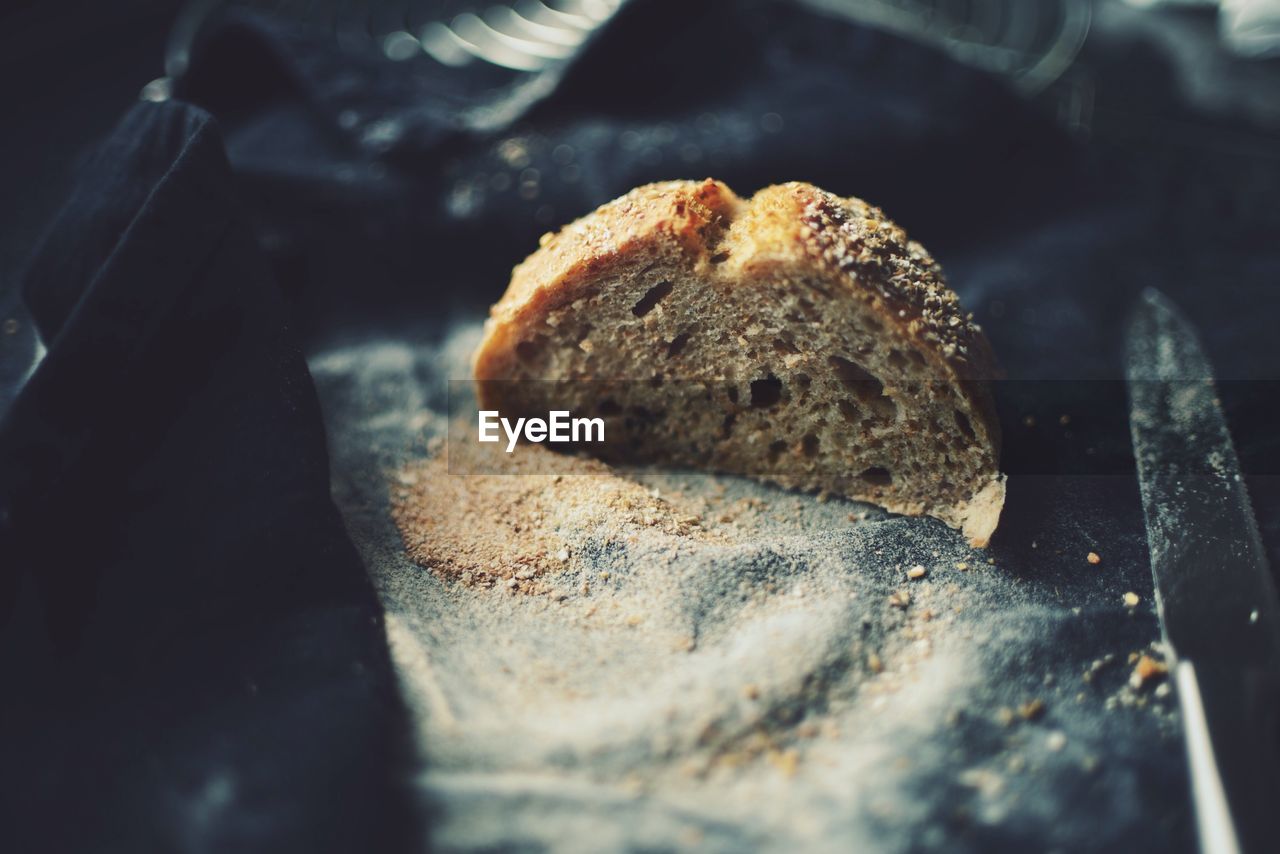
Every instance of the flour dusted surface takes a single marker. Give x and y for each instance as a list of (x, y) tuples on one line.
[(770, 678)]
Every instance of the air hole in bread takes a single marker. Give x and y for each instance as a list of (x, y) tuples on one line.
[(809, 445), (733, 394), (775, 450), (719, 258), (784, 345), (877, 476), (962, 421), (608, 406), (528, 351), (849, 410), (677, 345), (766, 392), (726, 426), (802, 380), (897, 360), (652, 297), (885, 408), (856, 378)]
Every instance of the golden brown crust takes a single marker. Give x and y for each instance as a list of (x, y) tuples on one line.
[(691, 213), (853, 239)]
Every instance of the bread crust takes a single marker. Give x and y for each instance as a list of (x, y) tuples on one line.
[(726, 239)]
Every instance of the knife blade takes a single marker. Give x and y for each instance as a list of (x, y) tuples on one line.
[(1214, 592)]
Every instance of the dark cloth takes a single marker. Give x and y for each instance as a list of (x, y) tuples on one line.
[(204, 665), (205, 668)]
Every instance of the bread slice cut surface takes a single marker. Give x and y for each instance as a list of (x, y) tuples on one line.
[(797, 337)]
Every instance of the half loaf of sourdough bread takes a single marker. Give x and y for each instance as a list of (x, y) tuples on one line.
[(796, 337)]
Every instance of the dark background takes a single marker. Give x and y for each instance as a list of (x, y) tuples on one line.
[(68, 70)]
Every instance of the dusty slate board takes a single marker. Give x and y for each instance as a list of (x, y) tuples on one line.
[(589, 720)]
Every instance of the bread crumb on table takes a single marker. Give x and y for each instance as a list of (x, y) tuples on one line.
[(1093, 558), (1032, 710), (1131, 600), (1147, 670)]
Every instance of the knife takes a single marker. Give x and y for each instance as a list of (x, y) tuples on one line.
[(1214, 591)]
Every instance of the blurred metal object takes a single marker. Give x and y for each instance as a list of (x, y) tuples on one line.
[(1248, 28), (1251, 28), (527, 35), (1214, 591), (1031, 43)]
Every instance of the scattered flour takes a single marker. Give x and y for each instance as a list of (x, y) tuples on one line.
[(606, 661)]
